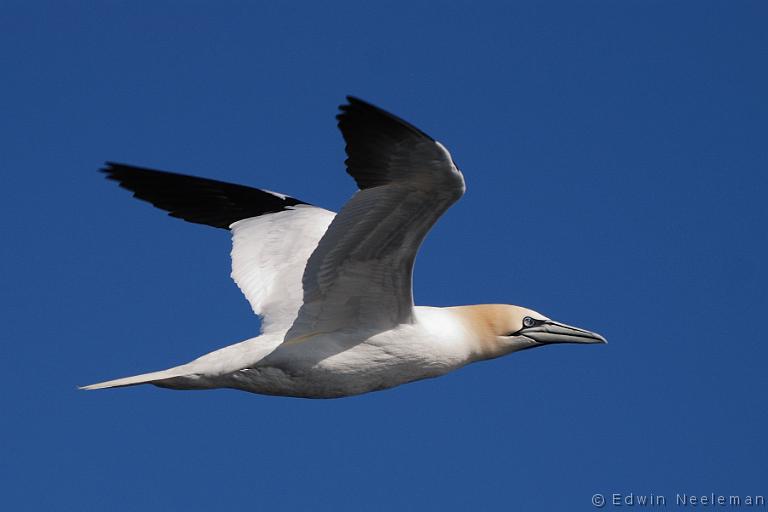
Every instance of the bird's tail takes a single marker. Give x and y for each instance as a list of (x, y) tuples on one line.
[(144, 378)]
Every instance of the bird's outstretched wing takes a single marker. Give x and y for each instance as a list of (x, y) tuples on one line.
[(272, 234), (360, 274), (199, 200)]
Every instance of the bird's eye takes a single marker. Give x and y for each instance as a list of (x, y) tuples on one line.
[(528, 322)]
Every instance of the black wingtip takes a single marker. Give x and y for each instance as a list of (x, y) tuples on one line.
[(111, 169), (367, 114), (107, 168), (198, 200)]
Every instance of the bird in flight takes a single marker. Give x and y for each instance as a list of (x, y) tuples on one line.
[(334, 289)]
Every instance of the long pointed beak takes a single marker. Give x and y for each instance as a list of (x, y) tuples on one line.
[(555, 332)]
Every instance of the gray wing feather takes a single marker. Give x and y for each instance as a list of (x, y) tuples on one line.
[(361, 272)]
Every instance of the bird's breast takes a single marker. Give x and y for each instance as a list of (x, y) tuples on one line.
[(346, 363)]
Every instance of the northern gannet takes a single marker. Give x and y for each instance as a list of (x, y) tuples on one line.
[(334, 290)]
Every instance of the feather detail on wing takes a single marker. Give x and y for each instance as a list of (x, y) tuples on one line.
[(272, 234), (269, 254), (199, 200), (360, 275)]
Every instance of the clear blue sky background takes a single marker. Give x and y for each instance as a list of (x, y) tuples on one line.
[(615, 155)]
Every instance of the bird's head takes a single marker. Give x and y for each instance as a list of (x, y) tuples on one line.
[(500, 329)]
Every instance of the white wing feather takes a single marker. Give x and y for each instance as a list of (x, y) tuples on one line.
[(269, 254)]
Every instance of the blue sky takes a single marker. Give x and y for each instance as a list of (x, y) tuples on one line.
[(615, 157)]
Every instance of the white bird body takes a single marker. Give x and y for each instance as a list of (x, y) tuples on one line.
[(341, 363), (334, 290)]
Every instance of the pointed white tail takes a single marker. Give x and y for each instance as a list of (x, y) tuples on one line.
[(144, 378)]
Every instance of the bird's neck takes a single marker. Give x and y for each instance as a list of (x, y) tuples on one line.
[(483, 323)]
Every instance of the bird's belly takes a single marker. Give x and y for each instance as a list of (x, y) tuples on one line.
[(336, 369)]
